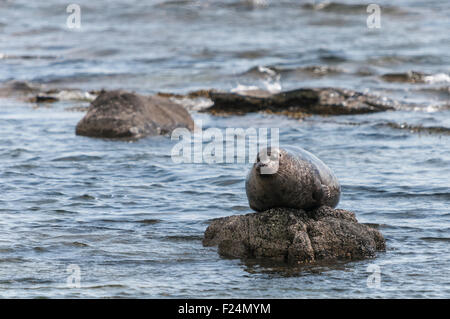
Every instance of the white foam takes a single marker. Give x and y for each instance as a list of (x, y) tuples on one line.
[(271, 83), (196, 104), (437, 78), (258, 3), (75, 95), (264, 69), (244, 88)]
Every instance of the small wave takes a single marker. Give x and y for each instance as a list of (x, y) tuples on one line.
[(380, 191), (443, 90), (437, 78), (63, 211), (435, 239), (105, 286), (251, 54), (70, 95), (77, 158), (315, 70), (339, 7), (401, 126), (416, 128), (83, 197), (4, 56), (236, 4), (407, 77), (184, 238), (271, 81), (335, 7), (76, 244), (389, 60), (416, 77), (14, 153), (240, 88), (228, 182), (260, 71), (194, 104), (63, 95), (149, 221)]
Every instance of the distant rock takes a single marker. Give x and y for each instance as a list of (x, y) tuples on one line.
[(39, 93), (120, 114), (294, 236), (322, 101), (407, 77), (417, 77), (19, 89)]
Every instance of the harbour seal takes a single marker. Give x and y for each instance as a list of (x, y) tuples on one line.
[(291, 178)]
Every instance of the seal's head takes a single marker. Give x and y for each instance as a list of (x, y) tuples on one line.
[(269, 160)]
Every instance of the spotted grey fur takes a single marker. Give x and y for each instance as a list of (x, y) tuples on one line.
[(291, 178)]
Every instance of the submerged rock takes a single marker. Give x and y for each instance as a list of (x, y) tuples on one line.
[(322, 101), (39, 93), (120, 114), (19, 89), (407, 77), (416, 77), (294, 236)]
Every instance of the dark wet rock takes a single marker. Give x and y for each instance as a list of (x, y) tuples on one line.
[(191, 95), (294, 236), (38, 93), (407, 77), (18, 88), (322, 101), (44, 99), (120, 114)]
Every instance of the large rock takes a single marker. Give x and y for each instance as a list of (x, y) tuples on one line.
[(322, 101), (120, 114), (294, 236)]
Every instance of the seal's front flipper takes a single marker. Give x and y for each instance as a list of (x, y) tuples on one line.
[(322, 194), (326, 192)]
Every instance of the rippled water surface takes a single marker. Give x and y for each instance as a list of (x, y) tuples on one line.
[(132, 220)]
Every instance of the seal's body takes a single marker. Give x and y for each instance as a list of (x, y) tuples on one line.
[(291, 178)]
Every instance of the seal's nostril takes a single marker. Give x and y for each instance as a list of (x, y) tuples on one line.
[(258, 166)]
